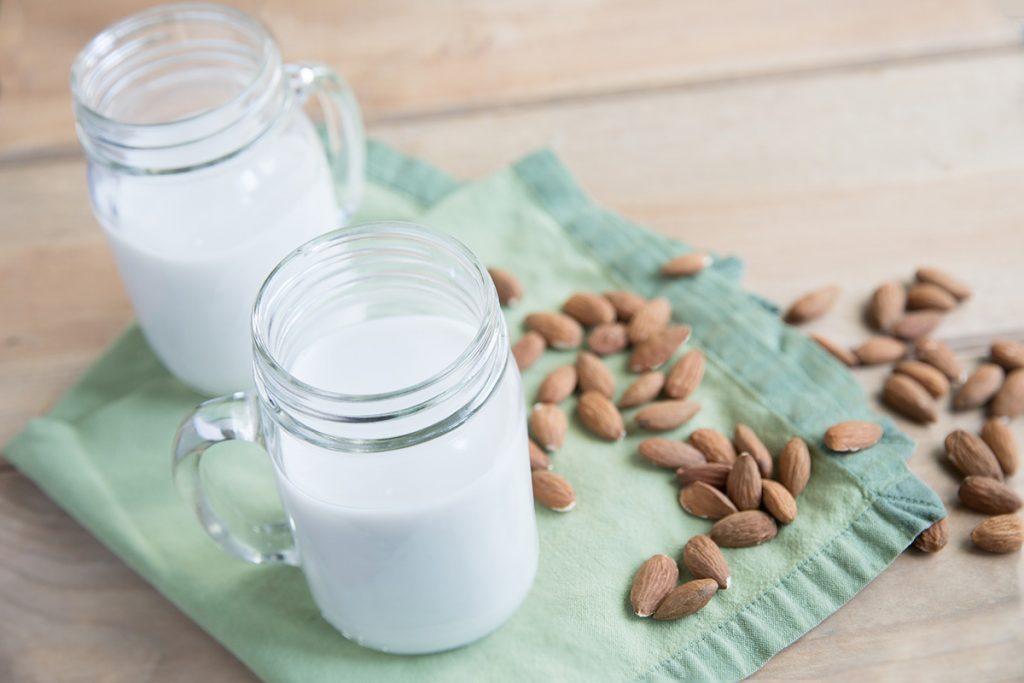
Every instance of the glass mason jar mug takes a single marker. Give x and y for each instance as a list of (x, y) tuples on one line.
[(392, 412), (205, 171)]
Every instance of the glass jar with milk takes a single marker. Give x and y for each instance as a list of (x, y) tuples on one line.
[(205, 170), (392, 412)]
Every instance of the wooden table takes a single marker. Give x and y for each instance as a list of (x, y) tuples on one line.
[(824, 141)]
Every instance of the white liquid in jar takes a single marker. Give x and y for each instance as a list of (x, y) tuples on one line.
[(424, 548)]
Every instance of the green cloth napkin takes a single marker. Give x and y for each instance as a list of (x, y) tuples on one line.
[(103, 453)]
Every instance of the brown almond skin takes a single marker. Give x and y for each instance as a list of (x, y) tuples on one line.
[(553, 491), (1008, 353), (926, 296), (715, 445), (686, 599), (594, 375), (999, 437), (558, 385), (650, 318), (626, 303), (599, 415), (917, 324), (658, 348), (746, 441), (705, 501), (685, 376), (669, 453), (886, 305), (879, 350), (712, 473), (1000, 534), (1009, 400), (644, 389), (934, 538), (940, 356), (852, 436), (928, 376), (559, 330), (811, 305), (651, 583), (607, 339), (528, 349), (548, 425), (744, 483), (589, 309), (686, 265), (539, 460), (988, 495), (841, 353), (744, 529), (795, 466), (944, 280), (778, 501), (971, 455), (662, 416), (508, 286), (980, 387), (911, 400), (704, 559)]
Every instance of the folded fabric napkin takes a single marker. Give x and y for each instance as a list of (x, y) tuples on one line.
[(103, 453)]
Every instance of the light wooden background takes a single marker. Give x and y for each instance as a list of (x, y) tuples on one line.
[(823, 141)]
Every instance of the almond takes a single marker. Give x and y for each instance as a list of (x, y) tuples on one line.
[(795, 466), (685, 376), (853, 435), (747, 441), (594, 375), (744, 529), (713, 473), (744, 483), (1000, 534), (662, 416), (528, 349), (715, 445), (669, 453), (923, 296), (626, 304), (811, 305), (908, 398), (559, 330), (510, 290), (589, 309), (934, 538), (705, 501), (686, 265), (686, 599), (999, 437), (539, 460), (778, 501), (644, 389), (548, 425), (934, 382), (886, 305), (652, 582), (607, 339), (981, 386), (1009, 354), (944, 280), (971, 455), (878, 350), (1009, 400), (704, 560), (650, 318), (940, 356), (659, 348), (558, 385), (917, 324), (600, 416), (553, 491), (988, 495), (841, 353)]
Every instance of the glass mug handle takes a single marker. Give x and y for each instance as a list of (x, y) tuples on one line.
[(234, 417), (343, 137)]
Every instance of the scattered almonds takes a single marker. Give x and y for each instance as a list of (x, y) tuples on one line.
[(917, 324), (539, 460), (841, 353), (600, 416), (644, 389), (934, 538), (558, 385), (528, 349), (1000, 534), (747, 441), (795, 466), (705, 501), (944, 280), (712, 473), (626, 304), (971, 455), (886, 305), (658, 348), (980, 387), (686, 599), (852, 436), (704, 559), (879, 350), (811, 305), (928, 376), (744, 529), (594, 375), (907, 397), (652, 582), (1009, 354), (650, 318), (715, 445), (1009, 400), (999, 437), (744, 483), (608, 338), (552, 491), (685, 376), (686, 265), (925, 295), (548, 425), (559, 330), (662, 416), (778, 501), (988, 495), (670, 453), (589, 309), (940, 356), (510, 290)]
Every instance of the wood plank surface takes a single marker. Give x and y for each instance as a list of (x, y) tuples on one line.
[(845, 146)]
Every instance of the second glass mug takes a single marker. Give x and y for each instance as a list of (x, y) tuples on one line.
[(205, 171), (390, 407)]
